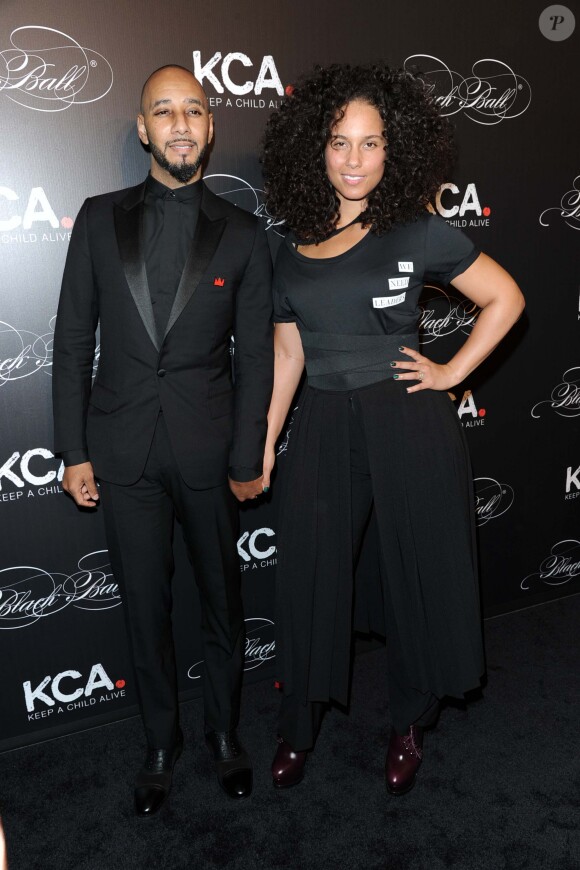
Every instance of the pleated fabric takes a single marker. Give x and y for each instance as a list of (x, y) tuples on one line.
[(424, 510)]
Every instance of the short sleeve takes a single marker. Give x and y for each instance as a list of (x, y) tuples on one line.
[(448, 251), (283, 312)]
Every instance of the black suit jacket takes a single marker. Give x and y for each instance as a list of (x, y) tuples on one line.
[(224, 289)]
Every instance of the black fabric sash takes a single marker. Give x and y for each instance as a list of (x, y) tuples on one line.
[(347, 362)]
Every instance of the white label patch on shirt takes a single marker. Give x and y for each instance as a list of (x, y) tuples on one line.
[(387, 301), (405, 266), (398, 283)]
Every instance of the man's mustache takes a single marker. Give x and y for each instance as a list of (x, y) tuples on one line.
[(181, 142)]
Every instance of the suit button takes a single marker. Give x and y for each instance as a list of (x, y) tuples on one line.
[(161, 373)]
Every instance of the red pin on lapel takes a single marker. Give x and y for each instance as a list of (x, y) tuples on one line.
[(219, 282)]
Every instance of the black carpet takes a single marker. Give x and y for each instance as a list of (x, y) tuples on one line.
[(499, 788)]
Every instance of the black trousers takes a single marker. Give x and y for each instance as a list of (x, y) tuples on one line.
[(139, 523), (298, 722)]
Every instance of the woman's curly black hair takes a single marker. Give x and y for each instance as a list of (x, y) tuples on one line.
[(420, 148)]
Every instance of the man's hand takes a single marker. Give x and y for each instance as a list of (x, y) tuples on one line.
[(246, 490), (79, 482)]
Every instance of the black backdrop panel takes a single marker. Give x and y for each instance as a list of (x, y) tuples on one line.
[(70, 78)]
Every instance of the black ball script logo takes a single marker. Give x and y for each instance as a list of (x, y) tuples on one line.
[(47, 70)]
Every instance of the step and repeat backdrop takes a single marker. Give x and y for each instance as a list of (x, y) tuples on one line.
[(70, 79)]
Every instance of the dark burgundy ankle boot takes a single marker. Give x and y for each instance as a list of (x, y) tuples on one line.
[(404, 757), (287, 766)]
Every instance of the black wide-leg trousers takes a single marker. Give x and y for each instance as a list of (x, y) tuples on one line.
[(299, 722), (139, 522)]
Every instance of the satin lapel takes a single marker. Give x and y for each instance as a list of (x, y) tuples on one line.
[(205, 241), (129, 229)]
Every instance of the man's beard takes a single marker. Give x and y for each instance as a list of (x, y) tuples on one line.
[(182, 172)]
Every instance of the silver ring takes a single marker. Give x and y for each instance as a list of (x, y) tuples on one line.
[(421, 375)]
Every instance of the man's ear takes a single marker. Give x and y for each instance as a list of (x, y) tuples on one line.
[(141, 130)]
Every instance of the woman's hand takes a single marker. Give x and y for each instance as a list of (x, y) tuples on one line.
[(430, 375), (269, 463)]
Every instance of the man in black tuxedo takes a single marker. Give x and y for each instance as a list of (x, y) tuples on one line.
[(170, 271)]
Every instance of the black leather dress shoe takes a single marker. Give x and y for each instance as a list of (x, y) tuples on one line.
[(287, 766), (153, 782), (232, 764), (404, 758)]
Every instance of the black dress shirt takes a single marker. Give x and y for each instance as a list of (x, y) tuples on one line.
[(169, 222)]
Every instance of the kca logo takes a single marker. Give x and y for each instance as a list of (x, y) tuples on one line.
[(59, 690), (572, 482), (468, 408), (250, 548), (459, 208), (17, 470), (35, 215), (266, 79)]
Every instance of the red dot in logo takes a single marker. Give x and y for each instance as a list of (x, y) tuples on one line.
[(120, 684), (289, 90), (66, 222), (482, 412), (487, 211)]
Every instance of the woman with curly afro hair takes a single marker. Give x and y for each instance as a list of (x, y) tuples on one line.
[(352, 159)]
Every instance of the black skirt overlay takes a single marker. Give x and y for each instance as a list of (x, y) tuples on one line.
[(423, 501)]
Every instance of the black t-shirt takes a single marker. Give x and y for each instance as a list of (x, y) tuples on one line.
[(374, 287)]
